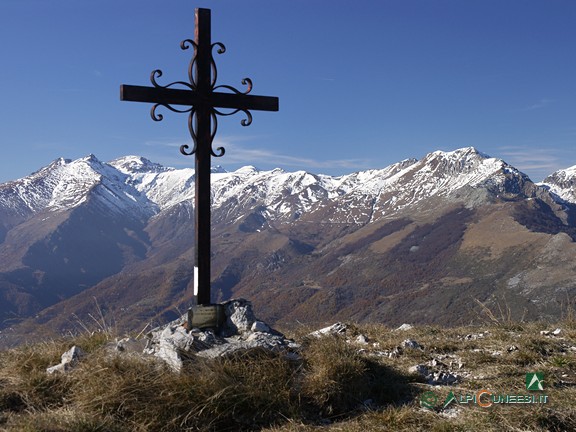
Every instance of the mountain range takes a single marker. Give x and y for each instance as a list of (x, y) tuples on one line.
[(436, 240)]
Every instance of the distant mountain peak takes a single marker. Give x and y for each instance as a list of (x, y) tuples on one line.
[(249, 169), (61, 161), (90, 158), (562, 183), (137, 164), (565, 174), (466, 151)]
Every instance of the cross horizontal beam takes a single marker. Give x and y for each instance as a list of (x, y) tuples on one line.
[(169, 96)]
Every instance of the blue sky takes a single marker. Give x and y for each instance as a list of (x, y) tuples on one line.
[(362, 84)]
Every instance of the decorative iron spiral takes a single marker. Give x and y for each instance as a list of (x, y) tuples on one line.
[(192, 85)]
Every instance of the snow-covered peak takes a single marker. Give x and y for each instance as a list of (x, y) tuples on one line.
[(61, 184), (461, 153), (566, 176), (217, 170), (136, 164), (466, 165), (562, 183), (464, 159), (91, 158), (248, 169), (442, 173), (570, 172), (65, 184)]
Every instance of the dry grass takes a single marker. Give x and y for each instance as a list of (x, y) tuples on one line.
[(337, 385)]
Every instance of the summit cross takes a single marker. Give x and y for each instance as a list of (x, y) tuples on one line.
[(203, 102)]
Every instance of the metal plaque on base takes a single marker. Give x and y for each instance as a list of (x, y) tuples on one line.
[(206, 316)]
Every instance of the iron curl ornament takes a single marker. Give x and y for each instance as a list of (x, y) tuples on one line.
[(193, 86)]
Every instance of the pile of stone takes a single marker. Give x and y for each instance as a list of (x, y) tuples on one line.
[(175, 343), (440, 376)]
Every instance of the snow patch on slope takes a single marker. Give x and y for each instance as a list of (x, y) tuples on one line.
[(66, 184), (562, 183)]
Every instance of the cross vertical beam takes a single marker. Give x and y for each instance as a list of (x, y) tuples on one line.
[(204, 143), (204, 104)]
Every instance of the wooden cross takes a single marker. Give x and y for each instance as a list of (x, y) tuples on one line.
[(203, 104)]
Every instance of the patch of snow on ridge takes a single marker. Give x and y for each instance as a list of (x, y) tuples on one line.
[(562, 183), (441, 173), (164, 186), (31, 193), (88, 177), (66, 184), (75, 181), (136, 164)]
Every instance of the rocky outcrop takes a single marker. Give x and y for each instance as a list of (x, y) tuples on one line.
[(175, 344)]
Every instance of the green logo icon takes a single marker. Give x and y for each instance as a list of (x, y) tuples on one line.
[(534, 381), (449, 399), (428, 400)]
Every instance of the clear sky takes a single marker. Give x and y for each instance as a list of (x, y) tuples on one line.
[(362, 84)]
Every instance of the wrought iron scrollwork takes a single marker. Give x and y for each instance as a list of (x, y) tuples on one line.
[(184, 147), (192, 85), (246, 81), (244, 122), (184, 45)]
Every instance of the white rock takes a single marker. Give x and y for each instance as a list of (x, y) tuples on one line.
[(67, 360), (474, 336), (178, 338), (450, 412), (169, 355), (444, 378), (338, 328), (419, 369), (59, 368), (74, 354), (405, 327), (127, 345), (437, 363), (239, 317), (411, 343), (260, 326)]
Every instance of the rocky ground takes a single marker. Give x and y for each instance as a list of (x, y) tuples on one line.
[(501, 376)]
